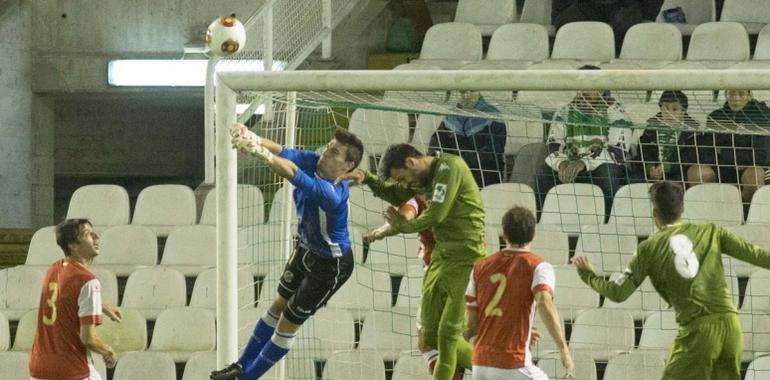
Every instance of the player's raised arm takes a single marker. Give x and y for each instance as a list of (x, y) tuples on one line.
[(618, 290), (743, 250), (241, 130), (550, 317)]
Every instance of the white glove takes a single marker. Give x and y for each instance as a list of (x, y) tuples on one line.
[(247, 141)]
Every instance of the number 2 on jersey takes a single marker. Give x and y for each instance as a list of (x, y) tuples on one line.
[(492, 310), (51, 301)]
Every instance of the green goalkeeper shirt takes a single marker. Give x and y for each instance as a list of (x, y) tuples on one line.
[(704, 294), (455, 213)]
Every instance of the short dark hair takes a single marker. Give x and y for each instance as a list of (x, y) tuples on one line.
[(355, 148), (669, 96), (519, 225), (395, 158), (668, 198), (68, 232)]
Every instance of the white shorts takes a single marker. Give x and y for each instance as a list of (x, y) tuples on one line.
[(524, 373), (92, 374)]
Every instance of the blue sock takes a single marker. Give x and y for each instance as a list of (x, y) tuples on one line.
[(275, 349), (261, 335)]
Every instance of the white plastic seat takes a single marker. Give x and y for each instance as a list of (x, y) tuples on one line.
[(379, 129), (632, 207), (394, 254), (410, 288), (130, 334), (637, 365), (179, 332), (451, 45), (487, 15), (719, 44), (328, 330), (109, 284), (519, 42), (552, 246), (651, 45), (25, 332), (145, 365), (546, 345), (643, 302), (659, 330), (5, 333), (538, 102), (756, 335), (261, 248), (251, 206), (103, 205), (15, 365), (757, 296), (151, 290), (162, 208), (696, 11), (584, 41), (759, 211), (191, 249), (125, 249), (425, 127), (410, 366), (759, 368), (43, 250), (520, 133), (355, 365), (204, 293), (762, 48), (501, 197), (609, 249), (365, 290), (538, 12), (603, 332), (572, 205), (366, 209), (20, 288), (752, 14), (199, 365), (389, 332), (571, 294), (713, 203), (585, 368)]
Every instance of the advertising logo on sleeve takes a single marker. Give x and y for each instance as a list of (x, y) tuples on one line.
[(439, 193)]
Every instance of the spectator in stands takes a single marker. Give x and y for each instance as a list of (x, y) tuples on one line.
[(479, 141), (589, 141), (743, 158), (667, 153)]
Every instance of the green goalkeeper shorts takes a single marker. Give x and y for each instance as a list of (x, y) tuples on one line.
[(709, 347), (442, 308)]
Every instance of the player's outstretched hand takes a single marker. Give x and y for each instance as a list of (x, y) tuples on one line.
[(356, 177), (112, 312), (566, 361), (534, 337), (248, 142), (392, 216), (582, 262), (110, 359)]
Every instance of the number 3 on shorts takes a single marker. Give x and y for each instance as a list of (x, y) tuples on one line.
[(51, 301), (492, 310)]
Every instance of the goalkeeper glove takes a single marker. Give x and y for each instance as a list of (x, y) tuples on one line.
[(247, 141)]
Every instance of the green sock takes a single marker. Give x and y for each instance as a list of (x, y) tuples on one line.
[(446, 364), (464, 354)]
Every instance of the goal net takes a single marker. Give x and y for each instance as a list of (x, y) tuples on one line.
[(710, 135)]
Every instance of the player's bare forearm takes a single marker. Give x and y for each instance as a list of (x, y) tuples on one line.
[(471, 323), (272, 146), (550, 317), (283, 167)]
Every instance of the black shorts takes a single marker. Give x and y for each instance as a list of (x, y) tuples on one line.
[(309, 280)]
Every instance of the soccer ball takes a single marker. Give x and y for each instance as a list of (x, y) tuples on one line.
[(225, 36)]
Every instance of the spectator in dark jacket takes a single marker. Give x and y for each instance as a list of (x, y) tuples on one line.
[(667, 152), (479, 141)]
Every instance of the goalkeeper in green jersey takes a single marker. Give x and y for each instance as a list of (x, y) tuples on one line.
[(456, 216), (684, 262)]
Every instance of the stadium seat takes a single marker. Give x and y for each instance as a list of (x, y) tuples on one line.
[(163, 208), (296, 366), (425, 127), (757, 296), (204, 293), (379, 129), (696, 11), (542, 104), (125, 249), (43, 250), (25, 331), (487, 15), (571, 294), (247, 320), (644, 301), (585, 368), (659, 330), (759, 369), (20, 288), (713, 203), (451, 45), (5, 333), (103, 205), (637, 365), (528, 161), (410, 288), (355, 365), (588, 42), (404, 99), (719, 45), (15, 365), (277, 204), (151, 290), (365, 290), (145, 365), (538, 12), (200, 365), (603, 332), (365, 208), (261, 249), (520, 133), (651, 45), (109, 282), (191, 249), (762, 48), (251, 206), (759, 211), (329, 330), (706, 100), (181, 331), (410, 366), (761, 61), (552, 246), (394, 254), (389, 332), (501, 197), (631, 207), (752, 14), (546, 345), (519, 42), (609, 248), (130, 334), (756, 335), (573, 205)]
